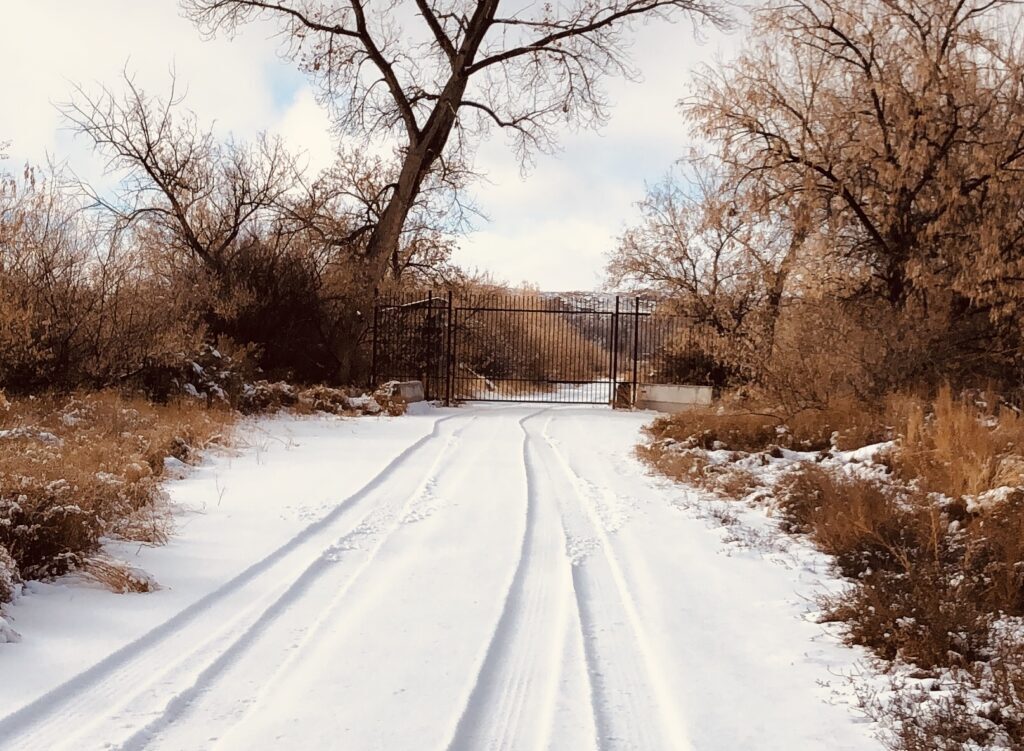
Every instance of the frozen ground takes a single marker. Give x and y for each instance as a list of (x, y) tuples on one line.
[(482, 578)]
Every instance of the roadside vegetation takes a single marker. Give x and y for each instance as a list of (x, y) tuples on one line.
[(920, 504), (849, 246), (80, 467)]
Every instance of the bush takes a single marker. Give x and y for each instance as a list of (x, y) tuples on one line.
[(824, 349), (930, 538), (960, 446), (10, 577), (930, 578), (74, 469), (842, 424), (858, 521)]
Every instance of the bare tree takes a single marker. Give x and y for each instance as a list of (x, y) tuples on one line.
[(343, 204), (435, 75), (898, 125), (715, 251), (199, 194)]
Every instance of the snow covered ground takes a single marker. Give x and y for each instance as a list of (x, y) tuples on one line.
[(502, 577)]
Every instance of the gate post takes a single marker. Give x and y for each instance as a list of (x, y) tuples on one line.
[(615, 353), (427, 334), (376, 335), (636, 347), (449, 360)]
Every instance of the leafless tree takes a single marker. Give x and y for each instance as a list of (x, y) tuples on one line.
[(343, 204), (435, 75), (198, 193), (711, 249), (899, 126)]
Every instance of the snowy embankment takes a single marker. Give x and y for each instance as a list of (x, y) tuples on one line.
[(479, 578), (231, 511)]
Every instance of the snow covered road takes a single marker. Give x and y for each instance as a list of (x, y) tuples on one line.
[(504, 578)]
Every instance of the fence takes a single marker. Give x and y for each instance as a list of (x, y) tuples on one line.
[(577, 349)]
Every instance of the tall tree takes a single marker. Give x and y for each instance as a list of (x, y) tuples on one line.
[(436, 75), (898, 125)]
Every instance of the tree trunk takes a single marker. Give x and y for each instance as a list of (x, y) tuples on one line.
[(425, 148)]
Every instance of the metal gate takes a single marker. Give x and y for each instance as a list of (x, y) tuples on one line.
[(566, 349)]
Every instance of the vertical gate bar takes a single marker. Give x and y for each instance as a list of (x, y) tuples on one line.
[(493, 319), (569, 345), (428, 364), (448, 354), (615, 353), (519, 321), (454, 349), (558, 338), (558, 351), (524, 319), (572, 373), (611, 367), (550, 343), (373, 350), (496, 318), (526, 383), (574, 342), (636, 347)]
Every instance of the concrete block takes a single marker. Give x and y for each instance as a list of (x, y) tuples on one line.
[(410, 391), (667, 397)]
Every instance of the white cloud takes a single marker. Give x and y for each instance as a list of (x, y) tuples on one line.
[(556, 226), (237, 84), (564, 254), (306, 128)]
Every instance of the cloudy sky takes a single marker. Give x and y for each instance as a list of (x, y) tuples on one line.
[(553, 227)]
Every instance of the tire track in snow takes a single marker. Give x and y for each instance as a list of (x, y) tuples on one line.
[(631, 697), (57, 718), (514, 693), (276, 662), (395, 660)]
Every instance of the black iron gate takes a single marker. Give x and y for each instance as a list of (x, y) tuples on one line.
[(575, 349)]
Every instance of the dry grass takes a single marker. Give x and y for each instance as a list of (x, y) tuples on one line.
[(959, 446), (930, 577), (857, 521), (981, 707), (75, 468), (117, 576), (691, 466), (934, 550), (909, 599), (843, 424)]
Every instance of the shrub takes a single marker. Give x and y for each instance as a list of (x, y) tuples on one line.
[(706, 429), (10, 577), (858, 521), (842, 424), (958, 446), (933, 551), (928, 579), (75, 468)]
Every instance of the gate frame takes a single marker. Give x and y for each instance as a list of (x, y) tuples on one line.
[(450, 341)]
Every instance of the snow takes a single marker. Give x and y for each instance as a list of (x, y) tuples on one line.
[(482, 578), (42, 436)]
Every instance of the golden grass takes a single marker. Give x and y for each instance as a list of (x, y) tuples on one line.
[(843, 424), (691, 466), (934, 550), (75, 468), (117, 576), (957, 447)]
